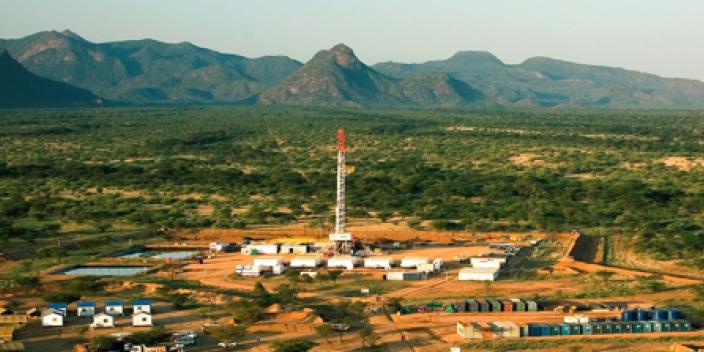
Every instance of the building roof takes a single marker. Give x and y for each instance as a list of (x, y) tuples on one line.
[(85, 304), (57, 306), (142, 302), (113, 303), (479, 270)]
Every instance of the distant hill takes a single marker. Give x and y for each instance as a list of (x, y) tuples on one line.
[(21, 88), (148, 71), (545, 82), (153, 72), (336, 77)]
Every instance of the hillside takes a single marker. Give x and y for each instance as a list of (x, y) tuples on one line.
[(336, 77), (148, 71), (21, 88), (545, 82)]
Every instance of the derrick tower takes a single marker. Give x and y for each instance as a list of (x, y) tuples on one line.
[(342, 239)]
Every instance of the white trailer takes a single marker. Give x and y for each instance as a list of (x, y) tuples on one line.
[(478, 274), (52, 318), (412, 262), (290, 248), (307, 261), (378, 262), (343, 261), (142, 319)]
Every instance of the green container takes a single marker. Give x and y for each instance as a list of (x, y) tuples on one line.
[(586, 329), (519, 305), (637, 327), (575, 329), (666, 326), (606, 328), (616, 327), (554, 330), (597, 328), (495, 305), (450, 308)]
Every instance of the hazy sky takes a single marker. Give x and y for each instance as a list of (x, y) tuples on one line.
[(658, 36)]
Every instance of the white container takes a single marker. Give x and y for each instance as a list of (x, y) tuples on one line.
[(345, 262), (294, 248), (412, 262), (487, 262), (267, 262), (260, 249), (478, 274), (305, 262), (576, 319), (378, 262)]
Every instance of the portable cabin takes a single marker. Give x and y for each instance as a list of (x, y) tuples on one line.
[(426, 268), (413, 262), (59, 307), (554, 329), (52, 317), (481, 262), (438, 264), (616, 327), (629, 315), (405, 275), (478, 274), (378, 262), (460, 306), (472, 305), (565, 329), (247, 270), (483, 305), (507, 305), (643, 315), (538, 330), (142, 319), (141, 306), (518, 305), (647, 326), (656, 325), (637, 327), (681, 325), (660, 314), (674, 314), (219, 246), (273, 264), (85, 309), (261, 248), (597, 327), (114, 307), (506, 329), (495, 305), (305, 261), (585, 329), (344, 261), (102, 320), (291, 248), (523, 329), (532, 306), (576, 319), (470, 330), (575, 329)]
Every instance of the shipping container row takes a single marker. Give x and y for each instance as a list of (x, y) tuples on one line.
[(613, 327), (652, 314), (476, 305)]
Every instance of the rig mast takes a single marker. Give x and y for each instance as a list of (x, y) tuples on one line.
[(342, 239)]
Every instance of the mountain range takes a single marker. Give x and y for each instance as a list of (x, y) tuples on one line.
[(20, 88), (153, 72)]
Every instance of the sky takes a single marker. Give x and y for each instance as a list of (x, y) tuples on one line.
[(661, 37)]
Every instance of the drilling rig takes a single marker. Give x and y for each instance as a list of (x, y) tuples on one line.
[(341, 238)]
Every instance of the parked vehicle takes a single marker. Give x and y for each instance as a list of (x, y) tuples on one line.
[(227, 345)]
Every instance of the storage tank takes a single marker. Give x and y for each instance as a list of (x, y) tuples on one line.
[(629, 315), (642, 315), (674, 314)]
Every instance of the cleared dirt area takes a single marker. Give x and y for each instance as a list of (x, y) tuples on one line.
[(682, 163)]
